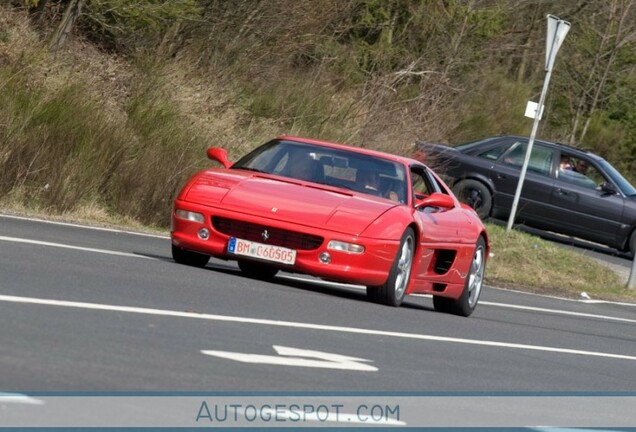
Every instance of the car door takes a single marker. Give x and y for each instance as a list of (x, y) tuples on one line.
[(580, 208), (438, 227), (537, 186)]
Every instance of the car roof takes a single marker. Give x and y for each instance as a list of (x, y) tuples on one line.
[(390, 156), (560, 146)]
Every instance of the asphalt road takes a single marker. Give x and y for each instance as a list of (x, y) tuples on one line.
[(85, 309)]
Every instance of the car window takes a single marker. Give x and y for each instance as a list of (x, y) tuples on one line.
[(422, 184), (494, 153), (624, 185), (578, 171), (540, 158), (466, 147)]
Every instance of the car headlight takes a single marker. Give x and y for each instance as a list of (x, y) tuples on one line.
[(188, 215), (341, 246)]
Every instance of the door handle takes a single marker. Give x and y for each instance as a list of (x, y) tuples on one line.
[(562, 192)]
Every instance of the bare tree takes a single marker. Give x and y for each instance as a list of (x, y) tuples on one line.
[(614, 27)]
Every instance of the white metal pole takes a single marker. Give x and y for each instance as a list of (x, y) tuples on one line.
[(524, 168), (631, 282), (557, 29)]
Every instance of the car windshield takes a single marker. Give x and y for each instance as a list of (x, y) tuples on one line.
[(622, 183), (325, 165)]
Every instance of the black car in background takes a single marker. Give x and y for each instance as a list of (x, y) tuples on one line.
[(566, 190)]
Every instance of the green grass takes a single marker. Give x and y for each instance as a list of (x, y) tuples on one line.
[(61, 149), (530, 263)]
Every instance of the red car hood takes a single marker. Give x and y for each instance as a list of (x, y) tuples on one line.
[(288, 200)]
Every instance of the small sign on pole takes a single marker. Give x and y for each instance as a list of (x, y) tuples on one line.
[(531, 110)]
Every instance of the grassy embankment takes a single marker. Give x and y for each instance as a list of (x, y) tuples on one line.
[(96, 139)]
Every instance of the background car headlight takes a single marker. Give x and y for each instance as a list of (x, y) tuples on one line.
[(188, 215), (345, 247)]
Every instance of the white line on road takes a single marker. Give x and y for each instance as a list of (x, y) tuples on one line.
[(63, 246), (19, 398), (557, 311), (291, 324), (486, 303), (327, 283), (74, 225)]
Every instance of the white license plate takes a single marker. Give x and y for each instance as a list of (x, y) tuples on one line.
[(261, 251)]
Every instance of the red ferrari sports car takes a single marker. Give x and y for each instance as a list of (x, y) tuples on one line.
[(337, 212)]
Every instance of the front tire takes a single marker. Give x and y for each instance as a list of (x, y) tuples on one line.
[(257, 270), (193, 259), (393, 291), (476, 195), (467, 301)]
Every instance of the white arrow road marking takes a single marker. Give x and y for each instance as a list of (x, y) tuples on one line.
[(63, 246), (304, 359)]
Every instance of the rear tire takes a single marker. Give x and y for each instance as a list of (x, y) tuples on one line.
[(476, 195), (257, 270), (393, 291), (632, 244), (467, 301), (193, 259)]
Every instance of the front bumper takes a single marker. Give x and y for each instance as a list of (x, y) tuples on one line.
[(369, 268)]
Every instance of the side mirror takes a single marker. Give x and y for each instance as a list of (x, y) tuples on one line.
[(220, 155), (608, 188), (436, 199)]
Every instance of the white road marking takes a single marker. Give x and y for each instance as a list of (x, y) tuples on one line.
[(299, 325), (558, 311), (574, 300), (485, 303), (304, 358), (64, 246), (19, 399), (75, 225), (334, 284)]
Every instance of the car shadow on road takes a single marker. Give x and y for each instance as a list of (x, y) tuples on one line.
[(320, 286), (314, 285), (334, 289)]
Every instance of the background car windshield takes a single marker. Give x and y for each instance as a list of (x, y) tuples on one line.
[(325, 165), (625, 186)]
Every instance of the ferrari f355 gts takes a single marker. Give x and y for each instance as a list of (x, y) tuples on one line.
[(339, 213)]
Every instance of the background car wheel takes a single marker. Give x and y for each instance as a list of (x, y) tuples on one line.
[(475, 194), (632, 244), (193, 259), (393, 291), (257, 270), (467, 302)]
